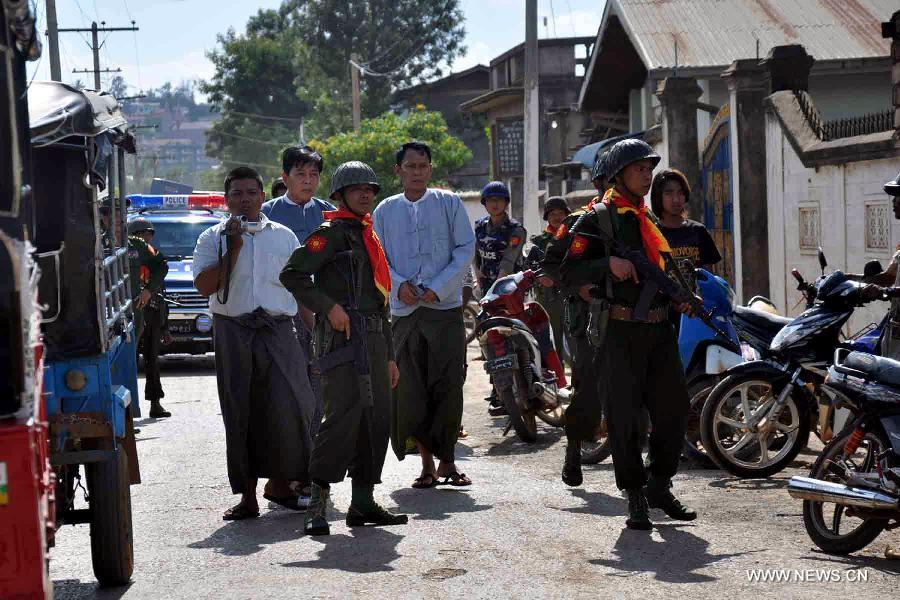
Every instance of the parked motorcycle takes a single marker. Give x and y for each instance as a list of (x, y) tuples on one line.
[(516, 339), (852, 493), (759, 417)]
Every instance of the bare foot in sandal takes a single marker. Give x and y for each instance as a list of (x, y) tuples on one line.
[(425, 480)]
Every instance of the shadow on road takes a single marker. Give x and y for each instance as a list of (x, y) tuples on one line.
[(73, 589), (435, 504), (883, 565), (243, 538), (512, 445), (675, 559), (599, 504), (731, 483), (341, 552)]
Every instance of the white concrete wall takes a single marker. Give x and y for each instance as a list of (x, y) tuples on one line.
[(841, 193)]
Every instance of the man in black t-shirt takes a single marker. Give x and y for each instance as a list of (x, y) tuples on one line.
[(688, 239)]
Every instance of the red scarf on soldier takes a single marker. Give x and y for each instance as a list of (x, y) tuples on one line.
[(377, 259), (654, 241)]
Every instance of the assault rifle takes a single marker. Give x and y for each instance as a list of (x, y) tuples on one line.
[(658, 280), (357, 351)]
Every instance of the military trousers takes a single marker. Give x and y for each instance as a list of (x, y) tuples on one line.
[(353, 437), (640, 366), (554, 304), (151, 345), (585, 410)]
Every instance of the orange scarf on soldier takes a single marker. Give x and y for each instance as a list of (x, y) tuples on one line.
[(377, 259), (654, 241)]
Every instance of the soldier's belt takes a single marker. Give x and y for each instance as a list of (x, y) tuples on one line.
[(626, 313)]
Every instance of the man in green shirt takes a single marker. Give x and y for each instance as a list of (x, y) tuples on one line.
[(341, 274), (637, 352), (549, 294)]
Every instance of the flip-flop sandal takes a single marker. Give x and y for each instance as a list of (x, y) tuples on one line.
[(239, 513), (425, 481), (456, 479), (291, 502)]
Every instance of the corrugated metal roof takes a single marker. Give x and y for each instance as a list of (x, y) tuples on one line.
[(713, 33)]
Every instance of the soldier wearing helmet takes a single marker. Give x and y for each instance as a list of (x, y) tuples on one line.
[(549, 296), (584, 413), (499, 239), (156, 315), (342, 275), (636, 350)]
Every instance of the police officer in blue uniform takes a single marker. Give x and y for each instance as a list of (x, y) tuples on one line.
[(498, 251), (498, 238)]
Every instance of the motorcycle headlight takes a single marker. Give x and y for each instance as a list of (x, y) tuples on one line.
[(203, 323)]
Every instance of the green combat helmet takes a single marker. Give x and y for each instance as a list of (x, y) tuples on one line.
[(350, 173), (140, 224)]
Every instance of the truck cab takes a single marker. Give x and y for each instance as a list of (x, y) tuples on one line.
[(178, 222)]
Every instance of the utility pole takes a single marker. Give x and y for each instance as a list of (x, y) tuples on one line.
[(95, 48), (53, 37), (354, 80), (530, 212)]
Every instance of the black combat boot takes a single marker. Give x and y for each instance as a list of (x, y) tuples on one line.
[(571, 471), (638, 511), (363, 509), (659, 495), (315, 521), (157, 411)]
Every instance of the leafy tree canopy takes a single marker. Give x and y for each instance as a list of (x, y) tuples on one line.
[(378, 140)]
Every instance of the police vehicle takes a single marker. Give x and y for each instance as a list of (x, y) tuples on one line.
[(178, 220)]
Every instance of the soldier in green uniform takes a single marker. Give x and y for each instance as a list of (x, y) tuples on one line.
[(354, 348), (584, 413), (637, 357), (548, 295), (155, 314)]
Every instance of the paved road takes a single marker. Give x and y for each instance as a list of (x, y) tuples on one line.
[(518, 532)]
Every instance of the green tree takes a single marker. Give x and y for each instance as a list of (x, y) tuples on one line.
[(400, 42), (253, 87), (378, 139), (291, 66)]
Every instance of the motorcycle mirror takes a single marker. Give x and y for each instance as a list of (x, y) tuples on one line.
[(823, 262), (872, 268)]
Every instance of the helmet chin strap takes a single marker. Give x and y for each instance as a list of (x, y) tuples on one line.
[(628, 194)]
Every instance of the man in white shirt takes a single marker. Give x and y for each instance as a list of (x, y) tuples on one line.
[(266, 401), (429, 244)]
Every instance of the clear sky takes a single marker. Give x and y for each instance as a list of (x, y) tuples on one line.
[(175, 34)]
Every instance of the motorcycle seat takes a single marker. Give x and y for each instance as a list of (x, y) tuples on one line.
[(878, 368), (762, 324)]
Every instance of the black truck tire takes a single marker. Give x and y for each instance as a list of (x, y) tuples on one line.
[(112, 547)]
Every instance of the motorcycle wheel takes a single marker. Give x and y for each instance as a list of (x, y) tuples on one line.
[(726, 436), (522, 421), (828, 525), (554, 417), (596, 452), (693, 445), (470, 312)]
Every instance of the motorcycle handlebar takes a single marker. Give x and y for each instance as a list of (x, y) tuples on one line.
[(798, 276)]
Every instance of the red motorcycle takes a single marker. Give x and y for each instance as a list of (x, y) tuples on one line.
[(517, 343)]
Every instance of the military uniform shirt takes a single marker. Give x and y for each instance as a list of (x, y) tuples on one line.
[(315, 259), (147, 266)]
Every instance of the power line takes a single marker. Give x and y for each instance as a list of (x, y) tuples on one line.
[(254, 115), (250, 139), (572, 17), (553, 17)]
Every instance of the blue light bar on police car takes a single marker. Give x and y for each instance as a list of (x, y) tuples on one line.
[(176, 202)]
